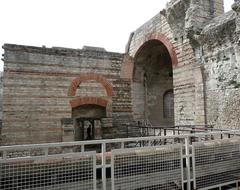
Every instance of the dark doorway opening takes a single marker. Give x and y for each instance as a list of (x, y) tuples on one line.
[(87, 121), (88, 129)]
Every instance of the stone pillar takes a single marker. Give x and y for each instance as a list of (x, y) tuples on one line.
[(127, 67), (107, 128), (67, 130)]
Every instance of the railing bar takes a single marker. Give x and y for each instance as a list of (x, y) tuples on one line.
[(185, 181), (101, 166), (219, 185), (95, 142)]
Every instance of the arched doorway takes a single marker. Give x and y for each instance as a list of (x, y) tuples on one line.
[(91, 102), (87, 121), (152, 79)]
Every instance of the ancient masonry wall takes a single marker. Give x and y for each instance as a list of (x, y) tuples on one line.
[(36, 85), (1, 99), (221, 65), (203, 46), (183, 81), (180, 23)]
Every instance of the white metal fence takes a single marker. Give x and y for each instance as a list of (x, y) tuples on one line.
[(147, 168), (55, 172), (193, 161), (216, 162)]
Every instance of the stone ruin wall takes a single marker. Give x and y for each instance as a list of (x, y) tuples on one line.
[(205, 74), (220, 59), (214, 39), (1, 101), (184, 84), (36, 85), (206, 78)]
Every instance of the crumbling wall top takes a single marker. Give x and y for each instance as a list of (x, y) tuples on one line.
[(189, 17), (219, 28), (87, 51)]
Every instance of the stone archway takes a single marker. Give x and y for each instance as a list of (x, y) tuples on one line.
[(152, 77), (164, 40), (90, 110), (129, 61), (83, 100)]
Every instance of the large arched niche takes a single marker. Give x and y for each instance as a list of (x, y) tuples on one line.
[(152, 77)]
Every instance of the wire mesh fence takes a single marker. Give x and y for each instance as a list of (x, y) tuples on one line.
[(71, 171), (147, 168), (205, 160), (216, 162)]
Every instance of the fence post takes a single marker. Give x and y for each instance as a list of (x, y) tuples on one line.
[(194, 167), (94, 172), (46, 151), (4, 156), (112, 172), (165, 134), (104, 166), (188, 166), (82, 148)]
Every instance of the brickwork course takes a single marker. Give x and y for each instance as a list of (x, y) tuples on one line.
[(185, 60)]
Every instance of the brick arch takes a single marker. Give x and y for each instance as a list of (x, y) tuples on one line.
[(88, 100), (163, 39), (90, 76)]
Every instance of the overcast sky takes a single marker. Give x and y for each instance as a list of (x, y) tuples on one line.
[(75, 23)]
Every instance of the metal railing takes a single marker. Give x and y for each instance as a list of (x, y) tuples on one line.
[(216, 162), (147, 168), (144, 131), (150, 153), (63, 171)]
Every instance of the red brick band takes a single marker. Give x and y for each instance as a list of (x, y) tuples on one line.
[(90, 76), (88, 100)]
